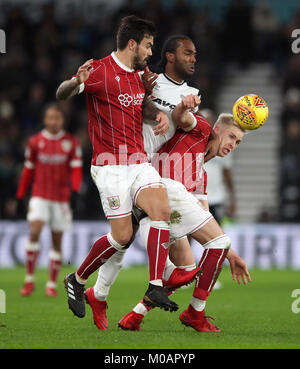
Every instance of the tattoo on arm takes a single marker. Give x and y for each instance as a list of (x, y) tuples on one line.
[(67, 89)]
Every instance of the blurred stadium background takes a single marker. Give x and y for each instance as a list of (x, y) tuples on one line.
[(244, 46)]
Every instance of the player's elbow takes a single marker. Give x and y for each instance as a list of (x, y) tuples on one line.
[(59, 94)]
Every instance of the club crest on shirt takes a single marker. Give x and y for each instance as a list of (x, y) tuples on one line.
[(66, 145), (41, 144), (114, 202)]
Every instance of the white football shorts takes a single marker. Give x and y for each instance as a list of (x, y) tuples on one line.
[(119, 186), (57, 214), (187, 215)]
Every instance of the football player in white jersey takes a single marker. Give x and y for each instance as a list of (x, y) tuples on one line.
[(178, 64)]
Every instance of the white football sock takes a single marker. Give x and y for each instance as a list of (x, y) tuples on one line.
[(140, 309), (107, 274), (188, 268), (169, 268), (198, 304)]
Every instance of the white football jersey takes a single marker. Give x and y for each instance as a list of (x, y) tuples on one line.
[(166, 95)]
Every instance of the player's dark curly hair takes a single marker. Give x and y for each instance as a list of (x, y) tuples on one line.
[(133, 27), (169, 46)]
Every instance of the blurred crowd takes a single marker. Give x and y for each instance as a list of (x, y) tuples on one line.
[(47, 41)]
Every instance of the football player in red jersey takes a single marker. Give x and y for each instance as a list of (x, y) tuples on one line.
[(183, 165), (117, 104), (53, 163)]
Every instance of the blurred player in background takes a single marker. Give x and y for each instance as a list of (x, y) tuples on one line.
[(53, 162), (116, 105)]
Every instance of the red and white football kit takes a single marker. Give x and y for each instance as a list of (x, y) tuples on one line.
[(115, 95), (54, 164), (183, 167), (180, 163)]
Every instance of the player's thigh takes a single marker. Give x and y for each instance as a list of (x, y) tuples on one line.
[(148, 193), (180, 252), (38, 214), (114, 185), (121, 229), (61, 216), (154, 202), (187, 215), (208, 232), (38, 210)]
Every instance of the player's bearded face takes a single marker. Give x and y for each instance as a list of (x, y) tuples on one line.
[(142, 53)]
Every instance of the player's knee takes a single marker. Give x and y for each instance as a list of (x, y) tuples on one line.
[(126, 246), (221, 242), (123, 238), (160, 212)]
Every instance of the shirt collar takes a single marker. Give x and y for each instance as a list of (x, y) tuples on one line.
[(51, 136), (120, 64)]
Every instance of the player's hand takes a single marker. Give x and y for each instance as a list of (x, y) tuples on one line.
[(149, 80), (212, 147), (84, 71), (190, 101), (163, 124), (238, 268)]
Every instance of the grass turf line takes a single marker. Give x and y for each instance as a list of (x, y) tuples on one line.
[(258, 315)]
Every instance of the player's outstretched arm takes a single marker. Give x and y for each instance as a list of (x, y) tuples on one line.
[(71, 87), (151, 112), (181, 115)]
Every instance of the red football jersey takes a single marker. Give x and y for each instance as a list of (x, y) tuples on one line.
[(182, 157), (115, 96), (52, 157)]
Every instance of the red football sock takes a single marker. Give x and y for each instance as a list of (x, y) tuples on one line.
[(31, 258), (158, 249), (211, 265), (32, 253), (102, 250), (54, 268)]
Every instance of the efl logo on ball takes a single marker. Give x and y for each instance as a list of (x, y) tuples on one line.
[(250, 111)]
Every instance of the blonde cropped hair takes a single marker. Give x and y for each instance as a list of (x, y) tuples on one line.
[(227, 118)]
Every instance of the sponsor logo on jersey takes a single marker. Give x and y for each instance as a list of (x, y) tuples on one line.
[(126, 99), (41, 144), (52, 159), (164, 103)]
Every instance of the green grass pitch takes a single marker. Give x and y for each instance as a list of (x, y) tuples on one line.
[(258, 315)]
